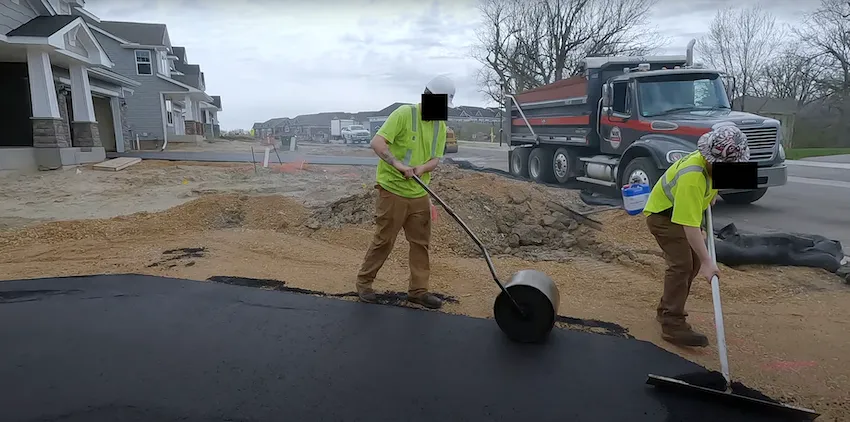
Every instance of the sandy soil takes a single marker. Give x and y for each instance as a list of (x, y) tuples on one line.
[(786, 327), (308, 148)]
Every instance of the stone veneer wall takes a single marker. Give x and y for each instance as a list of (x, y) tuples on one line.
[(129, 140)]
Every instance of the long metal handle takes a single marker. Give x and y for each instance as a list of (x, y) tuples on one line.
[(474, 239), (715, 298)]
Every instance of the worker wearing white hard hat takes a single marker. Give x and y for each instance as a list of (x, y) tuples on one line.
[(442, 85), (407, 145)]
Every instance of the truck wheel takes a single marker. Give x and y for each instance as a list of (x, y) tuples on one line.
[(563, 165), (743, 198), (641, 170), (518, 162), (540, 167)]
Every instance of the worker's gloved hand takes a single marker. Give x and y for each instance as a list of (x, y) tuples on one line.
[(708, 270), (404, 169)]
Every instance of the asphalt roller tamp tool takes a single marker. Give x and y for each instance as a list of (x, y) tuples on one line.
[(526, 307)]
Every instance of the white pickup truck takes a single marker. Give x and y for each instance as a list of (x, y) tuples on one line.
[(356, 134)]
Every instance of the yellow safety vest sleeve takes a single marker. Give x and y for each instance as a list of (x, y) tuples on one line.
[(686, 188)]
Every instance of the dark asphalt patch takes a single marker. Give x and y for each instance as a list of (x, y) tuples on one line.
[(386, 298), (171, 349), (400, 299), (27, 295), (171, 257)]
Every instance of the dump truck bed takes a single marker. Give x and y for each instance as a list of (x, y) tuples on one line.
[(558, 113)]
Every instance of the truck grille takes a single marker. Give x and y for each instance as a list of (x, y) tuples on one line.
[(762, 142)]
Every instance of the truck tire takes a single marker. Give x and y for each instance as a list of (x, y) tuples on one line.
[(563, 165), (540, 167), (518, 162), (641, 170), (743, 198)]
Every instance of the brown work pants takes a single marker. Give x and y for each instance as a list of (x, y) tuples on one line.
[(392, 213), (682, 267)]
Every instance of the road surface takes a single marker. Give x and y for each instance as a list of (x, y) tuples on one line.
[(816, 199)]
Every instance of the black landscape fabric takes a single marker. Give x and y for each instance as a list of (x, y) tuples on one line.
[(133, 347)]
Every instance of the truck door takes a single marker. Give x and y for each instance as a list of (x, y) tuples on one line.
[(614, 129)]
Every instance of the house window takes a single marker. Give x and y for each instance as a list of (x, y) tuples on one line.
[(169, 112), (164, 66), (143, 62)]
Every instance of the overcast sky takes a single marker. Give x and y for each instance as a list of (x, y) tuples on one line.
[(281, 58)]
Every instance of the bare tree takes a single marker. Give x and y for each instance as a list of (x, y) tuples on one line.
[(827, 33), (740, 43), (793, 74), (524, 44)]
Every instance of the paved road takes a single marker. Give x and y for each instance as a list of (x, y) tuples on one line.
[(816, 199)]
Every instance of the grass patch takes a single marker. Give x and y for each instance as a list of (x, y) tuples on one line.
[(798, 153)]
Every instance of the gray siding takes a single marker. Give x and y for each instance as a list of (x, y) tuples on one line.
[(144, 106), (14, 15)]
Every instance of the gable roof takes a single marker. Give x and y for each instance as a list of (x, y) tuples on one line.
[(42, 26), (216, 100), (142, 33)]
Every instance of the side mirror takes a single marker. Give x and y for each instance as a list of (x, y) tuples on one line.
[(606, 95)]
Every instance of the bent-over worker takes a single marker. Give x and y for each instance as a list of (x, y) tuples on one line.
[(407, 146), (675, 216)]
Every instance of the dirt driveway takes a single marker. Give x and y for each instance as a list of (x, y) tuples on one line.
[(308, 148), (787, 327)]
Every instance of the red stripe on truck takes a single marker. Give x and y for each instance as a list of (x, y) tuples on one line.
[(644, 126), (545, 121)]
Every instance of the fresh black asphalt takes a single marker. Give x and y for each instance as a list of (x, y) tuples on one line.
[(138, 348)]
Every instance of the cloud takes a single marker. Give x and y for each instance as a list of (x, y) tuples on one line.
[(276, 58)]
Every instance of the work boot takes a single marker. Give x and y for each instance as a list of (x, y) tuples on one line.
[(427, 300), (661, 321), (683, 335), (367, 296)]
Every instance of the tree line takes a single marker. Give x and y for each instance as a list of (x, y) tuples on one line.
[(523, 44)]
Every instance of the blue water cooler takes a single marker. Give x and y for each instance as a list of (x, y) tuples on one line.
[(635, 197)]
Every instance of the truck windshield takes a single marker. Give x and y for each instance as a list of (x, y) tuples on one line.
[(660, 95), (356, 128)]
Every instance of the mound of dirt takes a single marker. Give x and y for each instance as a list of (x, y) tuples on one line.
[(509, 217), (277, 213)]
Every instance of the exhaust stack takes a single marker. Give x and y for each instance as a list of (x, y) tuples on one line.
[(689, 55)]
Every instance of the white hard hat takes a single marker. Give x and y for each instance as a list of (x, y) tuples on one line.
[(442, 85)]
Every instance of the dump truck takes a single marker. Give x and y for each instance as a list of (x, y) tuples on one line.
[(626, 119)]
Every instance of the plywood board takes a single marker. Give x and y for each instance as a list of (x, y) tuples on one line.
[(117, 164)]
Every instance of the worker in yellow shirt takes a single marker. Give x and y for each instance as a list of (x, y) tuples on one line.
[(675, 211), (407, 146)]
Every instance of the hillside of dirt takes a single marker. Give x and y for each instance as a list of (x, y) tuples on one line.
[(785, 326)]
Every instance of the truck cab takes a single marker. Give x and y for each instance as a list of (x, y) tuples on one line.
[(638, 115)]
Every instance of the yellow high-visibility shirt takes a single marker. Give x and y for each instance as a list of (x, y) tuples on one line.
[(412, 141), (685, 187)]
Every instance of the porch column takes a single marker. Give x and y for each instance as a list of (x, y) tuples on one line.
[(86, 132), (48, 130), (192, 117)]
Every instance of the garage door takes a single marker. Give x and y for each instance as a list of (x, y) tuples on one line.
[(105, 125)]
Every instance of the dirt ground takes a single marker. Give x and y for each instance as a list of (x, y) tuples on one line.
[(308, 148), (309, 227)]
